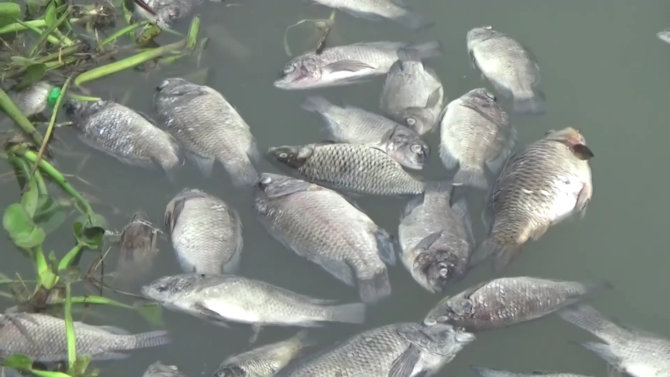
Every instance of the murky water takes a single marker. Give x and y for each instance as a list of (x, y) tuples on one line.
[(604, 72)]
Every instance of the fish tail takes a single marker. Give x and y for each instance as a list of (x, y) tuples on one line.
[(472, 177), (533, 105), (172, 174), (488, 372), (302, 339), (242, 171), (429, 49), (151, 339), (604, 351), (375, 288), (490, 248), (591, 320), (347, 313), (316, 104), (414, 21), (386, 246)]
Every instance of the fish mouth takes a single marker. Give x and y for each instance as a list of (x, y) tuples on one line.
[(464, 337)]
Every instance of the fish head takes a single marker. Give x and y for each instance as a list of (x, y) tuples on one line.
[(275, 186), (446, 339), (574, 140), (438, 267), (481, 97), (140, 215), (450, 309), (290, 155), (419, 119), (167, 288), (166, 15), (175, 89), (407, 148), (72, 107), (159, 369), (230, 370), (481, 34), (300, 73)]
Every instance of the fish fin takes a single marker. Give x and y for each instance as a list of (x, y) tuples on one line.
[(538, 232), (204, 164), (401, 3), (588, 318), (448, 159), (405, 363), (434, 97), (171, 217), (151, 339), (241, 170), (473, 61), (604, 351), (582, 152), (172, 174), (364, 15), (473, 176), (489, 372), (428, 241), (210, 315), (495, 166), (110, 356), (414, 21), (316, 104), (376, 288), (533, 105), (430, 49), (411, 205), (386, 246), (503, 254), (348, 65), (290, 187), (460, 207), (114, 330), (347, 313)]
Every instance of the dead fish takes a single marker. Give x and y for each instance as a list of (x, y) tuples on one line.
[(488, 372), (636, 352), (138, 245), (436, 238), (345, 65), (124, 134), (32, 99), (413, 94), (321, 226), (476, 133), (377, 10), (206, 233), (159, 369), (361, 169), (357, 126), (509, 66), (42, 338), (545, 183), (209, 128), (508, 301)]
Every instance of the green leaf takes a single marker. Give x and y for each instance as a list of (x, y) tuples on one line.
[(45, 273), (72, 257), (34, 73), (49, 215), (18, 361), (23, 232), (151, 311), (50, 14), (9, 12), (23, 62), (30, 197), (148, 34), (44, 373), (99, 300), (80, 365), (192, 37)]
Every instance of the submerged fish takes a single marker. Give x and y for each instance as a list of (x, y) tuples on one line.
[(208, 127), (412, 94), (476, 133), (159, 369), (323, 227), (32, 99), (488, 372), (539, 186), (138, 245), (128, 136), (436, 238), (357, 126), (508, 301), (405, 349), (376, 10), (264, 361), (664, 35), (629, 350), (509, 66), (42, 338), (221, 299), (344, 65), (362, 169), (206, 233)]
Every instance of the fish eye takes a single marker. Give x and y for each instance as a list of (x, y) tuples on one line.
[(283, 155), (161, 287), (416, 148), (490, 96), (444, 270), (429, 321), (266, 180), (287, 70), (163, 85), (443, 318), (410, 121)]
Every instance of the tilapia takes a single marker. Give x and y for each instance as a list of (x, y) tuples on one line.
[(137, 244), (377, 10), (32, 99), (357, 126), (124, 134), (42, 338), (265, 361), (510, 67), (221, 299), (159, 369), (436, 238), (413, 94), (209, 128), (633, 351), (206, 233), (475, 133), (488, 372), (361, 169), (664, 35), (405, 349), (540, 186), (344, 65), (508, 301), (321, 226)]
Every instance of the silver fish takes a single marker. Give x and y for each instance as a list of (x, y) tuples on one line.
[(508, 301), (159, 369), (376, 10), (344, 65), (509, 66), (361, 169), (357, 126), (221, 299), (264, 361), (130, 137), (545, 183), (475, 133), (488, 372), (323, 227), (406, 349), (664, 35), (208, 127), (33, 99), (206, 233), (413, 94), (436, 238), (629, 350), (42, 338)]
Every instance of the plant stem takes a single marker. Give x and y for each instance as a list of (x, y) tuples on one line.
[(69, 328), (19, 118)]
